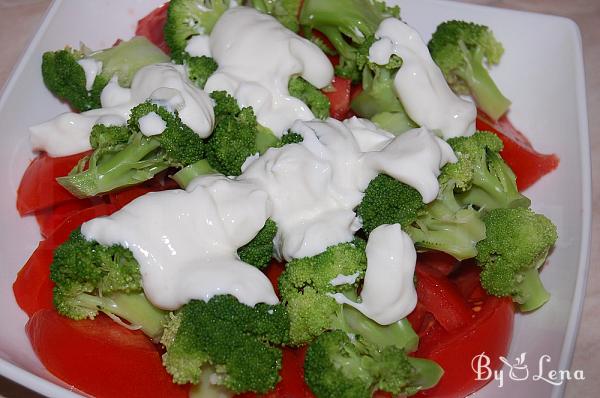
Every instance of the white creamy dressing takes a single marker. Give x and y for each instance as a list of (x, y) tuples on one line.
[(152, 124), (419, 83), (257, 56), (344, 279), (368, 136), (187, 247), (69, 133), (198, 46), (388, 292), (91, 68)]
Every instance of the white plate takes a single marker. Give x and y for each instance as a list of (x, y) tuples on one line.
[(542, 72)]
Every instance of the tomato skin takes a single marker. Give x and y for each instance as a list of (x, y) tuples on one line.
[(151, 27), (52, 218), (33, 287), (490, 333), (527, 164), (38, 188), (339, 97), (100, 357)]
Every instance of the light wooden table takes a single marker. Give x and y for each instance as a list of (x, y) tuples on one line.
[(19, 20)]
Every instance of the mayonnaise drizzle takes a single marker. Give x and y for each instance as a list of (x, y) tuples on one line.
[(388, 292), (419, 83), (257, 56), (186, 241), (198, 46), (152, 124), (69, 133), (91, 68)]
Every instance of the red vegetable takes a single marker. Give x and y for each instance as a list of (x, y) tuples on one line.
[(339, 98), (38, 189), (100, 357), (528, 164), (151, 27), (160, 182), (52, 218)]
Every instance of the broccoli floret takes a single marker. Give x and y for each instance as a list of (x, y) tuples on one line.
[(340, 366), (187, 18), (236, 135), (290, 138), (184, 176), (306, 287), (259, 251), (137, 160), (482, 178), (286, 11), (516, 246), (310, 95), (103, 136), (234, 339), (199, 69), (347, 24), (460, 49), (66, 79), (443, 224), (91, 278)]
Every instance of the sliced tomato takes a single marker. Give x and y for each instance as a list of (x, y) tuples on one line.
[(273, 271), (490, 332), (527, 164), (100, 357), (152, 25), (339, 97), (33, 287), (160, 182), (441, 298), (52, 218), (440, 261), (38, 188)]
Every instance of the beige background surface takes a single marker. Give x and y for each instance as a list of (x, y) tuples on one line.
[(19, 20)]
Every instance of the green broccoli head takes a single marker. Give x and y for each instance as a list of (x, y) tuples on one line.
[(310, 95), (482, 178), (339, 365), (234, 339), (347, 25), (65, 78), (103, 136), (460, 49), (259, 251), (187, 18), (517, 244), (90, 278), (285, 11), (290, 138), (388, 201), (199, 69)]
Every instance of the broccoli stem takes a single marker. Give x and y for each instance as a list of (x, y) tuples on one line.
[(394, 122), (206, 389), (134, 308), (184, 176), (265, 139), (485, 92), (124, 168), (535, 293), (378, 94), (427, 371)]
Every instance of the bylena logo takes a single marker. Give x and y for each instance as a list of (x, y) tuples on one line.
[(519, 370)]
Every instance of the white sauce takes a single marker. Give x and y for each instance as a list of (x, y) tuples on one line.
[(368, 136), (257, 56), (198, 46), (69, 133), (91, 68), (114, 95), (419, 83), (152, 124), (344, 279), (186, 241), (388, 292)]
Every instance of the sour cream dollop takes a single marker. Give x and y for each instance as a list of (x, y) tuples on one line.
[(257, 56), (419, 83)]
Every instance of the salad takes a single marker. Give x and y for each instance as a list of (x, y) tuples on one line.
[(283, 198)]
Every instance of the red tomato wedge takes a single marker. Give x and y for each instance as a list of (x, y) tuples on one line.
[(38, 188), (528, 164), (151, 27), (33, 287), (52, 218), (100, 357), (160, 182), (339, 97)]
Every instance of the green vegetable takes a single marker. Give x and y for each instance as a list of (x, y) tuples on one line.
[(236, 340), (117, 164), (461, 50), (285, 11), (340, 366), (310, 95), (259, 251), (199, 69), (516, 246), (65, 78), (91, 278)]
